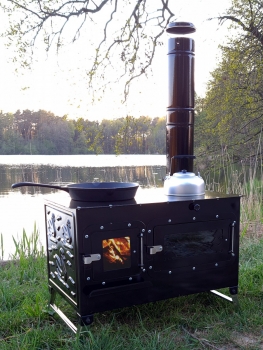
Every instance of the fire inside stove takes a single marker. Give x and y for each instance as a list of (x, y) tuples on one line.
[(116, 253)]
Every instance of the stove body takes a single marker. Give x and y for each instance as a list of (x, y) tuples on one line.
[(104, 256)]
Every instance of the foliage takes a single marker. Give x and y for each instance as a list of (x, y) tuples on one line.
[(232, 113), (128, 32), (41, 132)]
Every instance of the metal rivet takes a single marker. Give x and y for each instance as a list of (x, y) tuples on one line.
[(134, 251), (88, 278), (216, 264), (170, 272), (143, 270), (149, 231), (129, 225), (130, 278), (193, 268), (226, 239), (86, 236), (217, 216), (102, 227), (103, 283), (143, 230), (169, 220), (150, 267), (194, 218)]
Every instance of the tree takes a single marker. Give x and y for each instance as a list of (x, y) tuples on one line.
[(232, 117), (129, 34), (156, 138)]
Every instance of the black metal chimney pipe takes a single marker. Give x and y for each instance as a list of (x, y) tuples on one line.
[(180, 110)]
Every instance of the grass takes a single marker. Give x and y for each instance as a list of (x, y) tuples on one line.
[(199, 321), (246, 180)]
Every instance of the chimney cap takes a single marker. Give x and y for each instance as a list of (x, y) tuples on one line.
[(180, 28)]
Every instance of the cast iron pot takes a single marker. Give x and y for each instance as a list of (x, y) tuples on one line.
[(93, 191)]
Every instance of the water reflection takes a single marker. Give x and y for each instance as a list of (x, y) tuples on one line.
[(145, 175), (23, 207)]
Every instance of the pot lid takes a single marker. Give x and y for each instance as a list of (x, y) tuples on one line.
[(184, 174)]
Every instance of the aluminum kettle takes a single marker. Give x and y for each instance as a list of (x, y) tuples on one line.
[(184, 184)]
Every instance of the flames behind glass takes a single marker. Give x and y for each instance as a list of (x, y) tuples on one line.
[(116, 253)]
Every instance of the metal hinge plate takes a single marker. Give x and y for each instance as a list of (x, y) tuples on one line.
[(88, 259)]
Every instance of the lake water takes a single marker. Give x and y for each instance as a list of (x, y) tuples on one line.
[(22, 207)]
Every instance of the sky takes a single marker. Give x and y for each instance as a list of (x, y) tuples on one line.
[(59, 84)]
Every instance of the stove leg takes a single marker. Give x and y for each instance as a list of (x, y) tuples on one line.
[(53, 294), (83, 320), (233, 291)]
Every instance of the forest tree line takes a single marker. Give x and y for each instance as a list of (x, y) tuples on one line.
[(41, 132), (229, 119)]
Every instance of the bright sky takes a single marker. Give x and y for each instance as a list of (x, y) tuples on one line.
[(59, 84)]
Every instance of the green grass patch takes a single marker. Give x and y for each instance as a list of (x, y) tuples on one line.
[(199, 321)]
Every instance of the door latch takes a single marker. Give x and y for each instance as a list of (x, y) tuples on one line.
[(155, 249), (88, 259)]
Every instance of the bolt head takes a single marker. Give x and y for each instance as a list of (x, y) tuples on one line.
[(88, 278), (130, 278), (102, 227), (149, 231), (103, 283), (129, 225), (86, 236), (150, 267)]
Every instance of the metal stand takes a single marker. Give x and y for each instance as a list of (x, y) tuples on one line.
[(233, 291), (82, 320)]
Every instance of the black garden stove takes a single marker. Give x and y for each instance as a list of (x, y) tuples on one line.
[(108, 255)]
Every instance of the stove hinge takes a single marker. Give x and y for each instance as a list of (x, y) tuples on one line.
[(88, 259)]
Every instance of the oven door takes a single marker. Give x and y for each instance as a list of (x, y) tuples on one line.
[(190, 245)]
